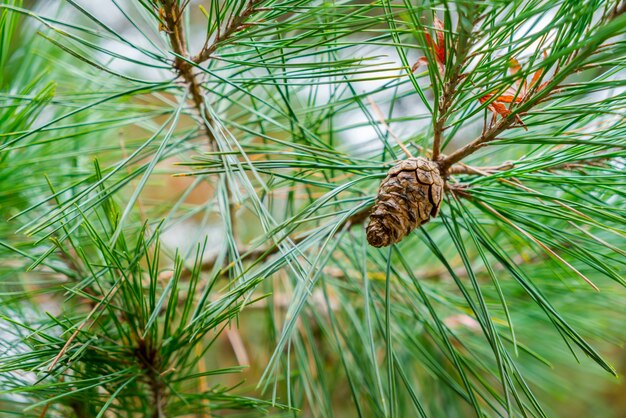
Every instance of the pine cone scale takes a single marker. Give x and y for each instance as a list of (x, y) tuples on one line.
[(407, 198)]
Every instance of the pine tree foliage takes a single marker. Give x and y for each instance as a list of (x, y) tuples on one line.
[(184, 180)]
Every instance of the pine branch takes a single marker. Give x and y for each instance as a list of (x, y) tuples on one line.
[(261, 254), (528, 102), (336, 303), (173, 18), (462, 47)]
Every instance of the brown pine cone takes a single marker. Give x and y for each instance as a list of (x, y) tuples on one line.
[(407, 198)]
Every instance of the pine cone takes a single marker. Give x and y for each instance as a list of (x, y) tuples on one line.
[(407, 198)]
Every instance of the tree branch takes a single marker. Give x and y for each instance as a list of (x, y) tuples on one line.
[(539, 94), (446, 100), (173, 17), (172, 14), (461, 168)]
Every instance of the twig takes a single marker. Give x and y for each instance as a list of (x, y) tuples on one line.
[(619, 10), (488, 136), (172, 15), (174, 26), (202, 380), (461, 168), (236, 342), (506, 122), (282, 301), (235, 24), (450, 86), (69, 341)]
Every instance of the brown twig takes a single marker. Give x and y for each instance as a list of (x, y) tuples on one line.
[(91, 313), (488, 136), (461, 168), (235, 24), (173, 18), (238, 346), (462, 47), (537, 96), (618, 10), (282, 301)]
